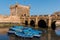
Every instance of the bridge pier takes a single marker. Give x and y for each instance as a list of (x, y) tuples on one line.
[(29, 21), (49, 28), (49, 24), (36, 23)]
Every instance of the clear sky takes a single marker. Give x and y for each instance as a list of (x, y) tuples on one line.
[(38, 7)]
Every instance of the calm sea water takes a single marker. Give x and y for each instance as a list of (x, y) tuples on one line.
[(4, 37), (43, 37), (13, 37)]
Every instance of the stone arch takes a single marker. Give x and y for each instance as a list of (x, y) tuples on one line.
[(26, 22), (32, 23), (42, 23), (53, 25)]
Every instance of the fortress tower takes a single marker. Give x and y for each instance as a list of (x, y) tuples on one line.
[(19, 10)]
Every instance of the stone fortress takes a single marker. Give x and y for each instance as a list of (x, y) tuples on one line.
[(21, 14)]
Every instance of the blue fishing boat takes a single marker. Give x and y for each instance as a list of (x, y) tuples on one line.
[(22, 34), (13, 29), (32, 31), (26, 32), (29, 32)]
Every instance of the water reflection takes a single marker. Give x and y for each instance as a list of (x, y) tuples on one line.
[(14, 37), (4, 37), (43, 37), (55, 34)]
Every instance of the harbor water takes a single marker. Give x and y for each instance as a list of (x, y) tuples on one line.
[(5, 36)]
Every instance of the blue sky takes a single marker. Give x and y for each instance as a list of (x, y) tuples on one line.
[(38, 7)]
